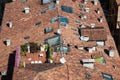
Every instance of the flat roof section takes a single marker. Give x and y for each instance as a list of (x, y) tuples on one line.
[(94, 34)]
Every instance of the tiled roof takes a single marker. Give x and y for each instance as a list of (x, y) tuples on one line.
[(95, 34), (25, 25)]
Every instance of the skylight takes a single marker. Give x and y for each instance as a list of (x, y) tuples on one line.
[(67, 9)]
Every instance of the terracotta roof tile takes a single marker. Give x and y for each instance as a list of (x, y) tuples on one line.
[(24, 25)]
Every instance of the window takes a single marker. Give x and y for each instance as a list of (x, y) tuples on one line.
[(107, 76), (67, 9), (48, 30), (46, 1), (43, 11), (38, 23), (53, 41), (52, 6), (62, 49)]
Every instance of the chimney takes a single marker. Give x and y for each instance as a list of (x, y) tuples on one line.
[(101, 19), (10, 24), (59, 31), (8, 42), (85, 1), (26, 10), (95, 2), (92, 25), (83, 17), (98, 11), (24, 64), (83, 26), (28, 47), (57, 2), (87, 9), (111, 51)]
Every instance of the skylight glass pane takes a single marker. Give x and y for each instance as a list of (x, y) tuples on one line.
[(67, 9)]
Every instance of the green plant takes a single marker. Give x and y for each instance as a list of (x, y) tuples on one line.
[(24, 48), (21, 64), (49, 59), (46, 47), (23, 53), (100, 59), (50, 52)]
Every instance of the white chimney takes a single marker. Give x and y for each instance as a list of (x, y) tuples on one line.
[(27, 10), (57, 2), (51, 61), (91, 49), (24, 65), (98, 11), (83, 26), (92, 25), (8, 42), (42, 48), (59, 31), (87, 9), (10, 24), (85, 1), (84, 17), (28, 47), (111, 52), (95, 2), (62, 60), (3, 73), (101, 19)]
